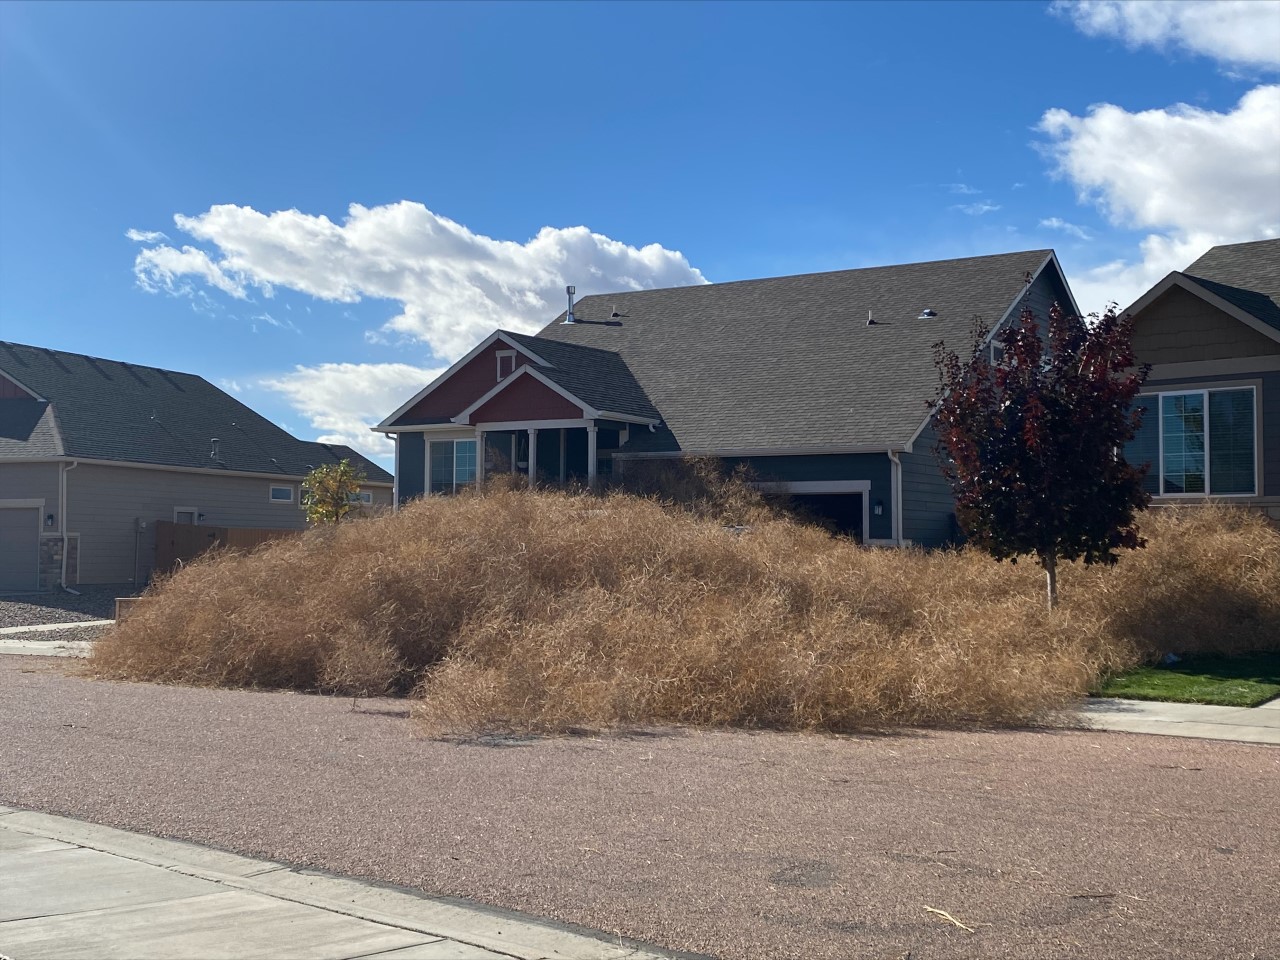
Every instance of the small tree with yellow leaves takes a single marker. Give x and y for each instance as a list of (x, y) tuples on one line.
[(332, 491)]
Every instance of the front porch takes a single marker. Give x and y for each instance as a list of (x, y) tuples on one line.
[(546, 453)]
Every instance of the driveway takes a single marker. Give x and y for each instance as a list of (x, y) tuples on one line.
[(1042, 844)]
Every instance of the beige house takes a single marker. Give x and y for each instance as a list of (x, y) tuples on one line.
[(93, 452), (1212, 335)]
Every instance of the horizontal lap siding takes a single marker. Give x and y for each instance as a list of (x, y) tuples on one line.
[(1181, 328), (31, 481), (527, 399), (464, 388), (411, 465), (104, 503), (928, 508)]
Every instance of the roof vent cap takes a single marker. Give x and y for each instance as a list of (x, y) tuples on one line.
[(927, 314), (568, 317)]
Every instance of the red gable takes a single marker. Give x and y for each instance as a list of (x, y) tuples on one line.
[(526, 399), (464, 387)]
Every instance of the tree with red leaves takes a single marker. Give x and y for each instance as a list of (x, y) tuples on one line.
[(1032, 443)]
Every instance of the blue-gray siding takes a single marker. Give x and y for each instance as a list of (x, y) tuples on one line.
[(928, 508), (412, 465), (874, 467)]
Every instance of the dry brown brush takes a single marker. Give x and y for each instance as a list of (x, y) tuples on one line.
[(547, 611)]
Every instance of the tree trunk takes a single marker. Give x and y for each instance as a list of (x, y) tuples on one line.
[(1050, 564)]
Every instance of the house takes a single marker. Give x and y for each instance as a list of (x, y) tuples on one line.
[(93, 451), (820, 383), (1212, 336)]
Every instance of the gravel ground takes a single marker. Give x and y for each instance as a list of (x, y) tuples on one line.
[(57, 606), (1046, 844), (64, 635)]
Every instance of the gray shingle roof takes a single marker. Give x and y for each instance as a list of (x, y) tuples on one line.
[(790, 362), (108, 410), (1246, 275), (599, 377)]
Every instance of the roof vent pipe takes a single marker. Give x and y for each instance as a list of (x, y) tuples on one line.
[(870, 320), (568, 317)]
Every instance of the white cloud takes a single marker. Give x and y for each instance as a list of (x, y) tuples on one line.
[(454, 286), (1196, 177), (145, 236), (1057, 223), (342, 400), (962, 188), (167, 269), (285, 324), (1243, 33), (977, 209)]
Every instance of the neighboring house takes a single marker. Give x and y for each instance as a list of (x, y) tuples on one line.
[(784, 374), (93, 452), (1212, 336)]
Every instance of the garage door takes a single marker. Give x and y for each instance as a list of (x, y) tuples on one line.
[(19, 548)]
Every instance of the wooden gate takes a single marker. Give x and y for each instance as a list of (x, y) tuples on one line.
[(182, 542)]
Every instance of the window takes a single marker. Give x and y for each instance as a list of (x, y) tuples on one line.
[(282, 494), (188, 515), (451, 464), (1198, 442), (997, 353), (363, 497), (506, 363)]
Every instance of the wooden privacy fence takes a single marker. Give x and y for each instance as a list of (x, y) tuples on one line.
[(182, 542)]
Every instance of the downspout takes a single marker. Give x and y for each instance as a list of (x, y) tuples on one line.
[(395, 479), (896, 499), (62, 517)]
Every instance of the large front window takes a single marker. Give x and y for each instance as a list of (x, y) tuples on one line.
[(451, 465), (1198, 442)]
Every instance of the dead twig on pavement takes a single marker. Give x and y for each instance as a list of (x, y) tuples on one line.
[(946, 916)]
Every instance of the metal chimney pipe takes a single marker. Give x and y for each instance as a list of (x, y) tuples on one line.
[(568, 317)]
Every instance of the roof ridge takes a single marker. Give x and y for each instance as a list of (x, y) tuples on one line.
[(826, 273), (565, 343), (89, 356)]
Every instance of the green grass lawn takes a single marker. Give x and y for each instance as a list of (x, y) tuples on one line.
[(1244, 681)]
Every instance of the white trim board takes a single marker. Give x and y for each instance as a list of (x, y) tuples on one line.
[(458, 365), (205, 471), (817, 487), (1051, 259), (588, 411), (21, 386), (1178, 279)]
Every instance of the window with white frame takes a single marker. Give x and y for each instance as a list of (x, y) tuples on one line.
[(283, 494), (506, 363), (451, 465), (1198, 442), (362, 497)]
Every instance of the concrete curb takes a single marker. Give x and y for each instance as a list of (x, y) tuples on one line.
[(505, 933), (54, 627)]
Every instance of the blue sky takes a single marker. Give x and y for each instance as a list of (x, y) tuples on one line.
[(318, 205)]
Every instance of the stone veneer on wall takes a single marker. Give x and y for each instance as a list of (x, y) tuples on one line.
[(51, 560)]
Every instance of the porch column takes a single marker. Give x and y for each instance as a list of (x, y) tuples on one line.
[(479, 456), (591, 455), (563, 475), (533, 456)]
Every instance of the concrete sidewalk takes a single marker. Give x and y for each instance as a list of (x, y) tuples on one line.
[(75, 890), (1243, 724)]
